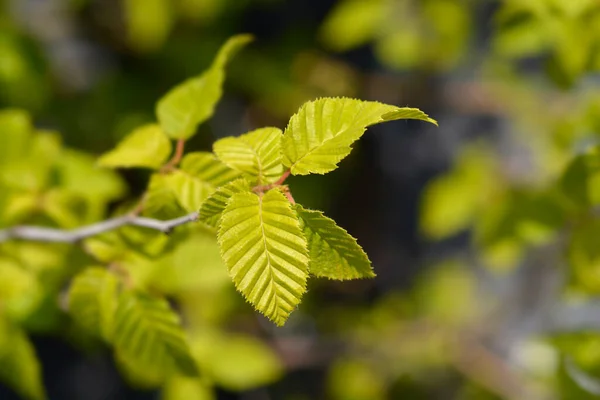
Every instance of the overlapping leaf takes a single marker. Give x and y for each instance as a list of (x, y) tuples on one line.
[(212, 208), (265, 252), (320, 134), (149, 332), (256, 153), (189, 104), (146, 146), (186, 188), (93, 300), (333, 252)]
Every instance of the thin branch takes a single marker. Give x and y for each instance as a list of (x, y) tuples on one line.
[(52, 235), (177, 156)]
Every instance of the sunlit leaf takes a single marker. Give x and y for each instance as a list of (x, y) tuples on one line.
[(148, 23), (149, 332), (333, 253), (321, 133), (206, 167), (265, 252), (256, 153), (210, 212), (192, 102), (93, 300), (20, 367), (146, 146)]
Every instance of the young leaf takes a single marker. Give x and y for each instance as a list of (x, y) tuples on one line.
[(93, 300), (20, 366), (160, 198), (256, 153), (320, 134), (333, 253), (212, 208), (146, 146), (148, 331), (186, 188), (265, 252), (192, 102)]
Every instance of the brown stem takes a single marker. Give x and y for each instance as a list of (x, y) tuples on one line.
[(282, 178), (177, 156), (279, 182)]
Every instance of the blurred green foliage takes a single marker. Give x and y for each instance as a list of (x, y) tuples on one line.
[(512, 199)]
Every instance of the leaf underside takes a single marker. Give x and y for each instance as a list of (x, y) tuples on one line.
[(265, 252), (333, 253), (321, 133)]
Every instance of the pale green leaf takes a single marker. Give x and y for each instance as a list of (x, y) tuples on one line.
[(185, 189), (265, 252), (15, 133), (236, 362), (212, 208), (321, 133), (20, 367), (256, 153), (206, 167), (149, 332), (93, 300), (192, 102), (146, 146), (332, 251)]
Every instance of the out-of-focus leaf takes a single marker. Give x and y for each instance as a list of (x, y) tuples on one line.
[(20, 367), (93, 300), (236, 362), (321, 133), (149, 332), (333, 253), (148, 23), (15, 132), (352, 23), (265, 252), (584, 256), (146, 146), (580, 182), (354, 379), (182, 388), (451, 201), (20, 292), (256, 153), (192, 102)]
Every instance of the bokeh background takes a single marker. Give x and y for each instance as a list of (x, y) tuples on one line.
[(481, 292)]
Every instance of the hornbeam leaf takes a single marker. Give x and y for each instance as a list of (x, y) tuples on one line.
[(256, 153), (20, 366), (321, 133), (146, 146), (93, 300), (212, 208), (333, 253), (185, 189), (192, 102), (149, 332), (265, 252)]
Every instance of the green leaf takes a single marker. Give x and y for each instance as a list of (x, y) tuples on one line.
[(256, 153), (160, 200), (192, 102), (20, 367), (148, 331), (212, 208), (333, 253), (182, 388), (146, 146), (93, 300), (187, 188), (15, 133), (265, 252), (206, 167), (236, 362), (320, 134)]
